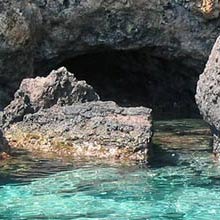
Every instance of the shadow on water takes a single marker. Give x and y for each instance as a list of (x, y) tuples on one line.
[(182, 181), (23, 167), (179, 142), (160, 157), (175, 143)]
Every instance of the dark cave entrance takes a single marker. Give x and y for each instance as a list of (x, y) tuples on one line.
[(135, 78)]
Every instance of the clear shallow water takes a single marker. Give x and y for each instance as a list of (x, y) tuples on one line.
[(188, 190), (96, 192)]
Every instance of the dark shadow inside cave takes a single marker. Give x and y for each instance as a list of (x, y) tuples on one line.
[(135, 78)]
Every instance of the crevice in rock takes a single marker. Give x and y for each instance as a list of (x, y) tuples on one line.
[(66, 3), (137, 78)]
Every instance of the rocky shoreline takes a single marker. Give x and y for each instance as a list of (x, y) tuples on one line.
[(148, 53)]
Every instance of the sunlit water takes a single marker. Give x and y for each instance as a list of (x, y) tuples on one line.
[(186, 190)]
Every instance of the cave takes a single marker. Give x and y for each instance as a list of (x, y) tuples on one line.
[(137, 78)]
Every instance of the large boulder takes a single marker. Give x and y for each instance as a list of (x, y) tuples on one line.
[(59, 114), (87, 130), (59, 88), (208, 94), (37, 35)]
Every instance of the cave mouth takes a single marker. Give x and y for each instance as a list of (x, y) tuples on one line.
[(136, 78)]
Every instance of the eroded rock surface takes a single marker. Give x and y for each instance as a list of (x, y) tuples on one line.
[(62, 115), (59, 88), (37, 35), (208, 94), (94, 129)]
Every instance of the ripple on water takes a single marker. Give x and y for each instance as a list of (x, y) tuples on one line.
[(96, 192), (183, 191)]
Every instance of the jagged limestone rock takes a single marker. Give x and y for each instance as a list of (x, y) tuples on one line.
[(60, 87), (208, 94)]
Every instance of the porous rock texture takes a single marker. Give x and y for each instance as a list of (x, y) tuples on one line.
[(208, 94), (58, 114), (36, 35), (87, 130), (60, 87)]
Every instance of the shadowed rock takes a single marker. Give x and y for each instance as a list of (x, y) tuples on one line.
[(37, 35), (59, 88), (208, 94), (4, 146)]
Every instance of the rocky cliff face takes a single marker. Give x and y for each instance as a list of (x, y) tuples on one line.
[(38, 35), (208, 93)]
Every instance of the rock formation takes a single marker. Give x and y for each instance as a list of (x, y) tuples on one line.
[(59, 87), (208, 94), (37, 35), (88, 130), (59, 114)]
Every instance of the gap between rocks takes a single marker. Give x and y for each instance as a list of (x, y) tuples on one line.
[(137, 78)]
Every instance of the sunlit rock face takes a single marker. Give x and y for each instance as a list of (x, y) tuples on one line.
[(36, 35), (60, 87), (208, 94)]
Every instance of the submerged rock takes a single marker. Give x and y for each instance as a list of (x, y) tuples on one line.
[(208, 94), (59, 88), (94, 129)]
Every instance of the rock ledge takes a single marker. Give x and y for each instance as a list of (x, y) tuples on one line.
[(97, 129)]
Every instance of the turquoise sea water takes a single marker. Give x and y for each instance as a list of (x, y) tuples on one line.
[(190, 191), (186, 190)]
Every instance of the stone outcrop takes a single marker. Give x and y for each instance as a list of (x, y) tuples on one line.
[(208, 94), (59, 114), (37, 35), (87, 130), (59, 88)]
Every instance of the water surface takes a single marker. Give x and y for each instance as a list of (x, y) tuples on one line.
[(184, 187)]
